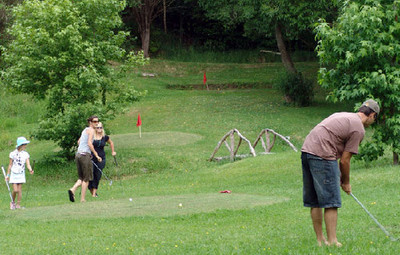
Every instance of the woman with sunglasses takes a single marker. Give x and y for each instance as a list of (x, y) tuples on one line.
[(100, 140)]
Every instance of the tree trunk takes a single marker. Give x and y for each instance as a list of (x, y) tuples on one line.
[(395, 158), (145, 36), (285, 56), (181, 28), (165, 16)]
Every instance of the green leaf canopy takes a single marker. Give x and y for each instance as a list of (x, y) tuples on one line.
[(359, 56)]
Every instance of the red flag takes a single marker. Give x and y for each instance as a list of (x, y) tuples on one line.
[(139, 121), (204, 78)]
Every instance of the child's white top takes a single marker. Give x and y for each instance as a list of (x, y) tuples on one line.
[(18, 166)]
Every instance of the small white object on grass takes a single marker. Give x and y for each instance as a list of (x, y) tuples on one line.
[(180, 205), (130, 199)]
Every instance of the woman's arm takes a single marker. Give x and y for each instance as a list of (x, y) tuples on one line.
[(90, 143), (112, 146)]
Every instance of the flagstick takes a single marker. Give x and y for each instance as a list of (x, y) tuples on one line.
[(205, 80), (140, 131)]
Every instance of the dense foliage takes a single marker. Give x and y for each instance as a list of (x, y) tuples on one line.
[(61, 52), (6, 19), (281, 20), (359, 55), (296, 88)]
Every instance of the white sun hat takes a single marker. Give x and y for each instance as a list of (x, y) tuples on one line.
[(21, 141)]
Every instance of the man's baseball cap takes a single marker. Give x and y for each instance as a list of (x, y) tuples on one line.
[(372, 104)]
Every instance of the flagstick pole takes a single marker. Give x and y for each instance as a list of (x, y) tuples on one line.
[(140, 131)]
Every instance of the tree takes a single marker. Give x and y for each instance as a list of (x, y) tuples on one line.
[(359, 55), (5, 10), (144, 12), (60, 52), (281, 19)]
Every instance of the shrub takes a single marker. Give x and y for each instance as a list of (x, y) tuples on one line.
[(296, 89)]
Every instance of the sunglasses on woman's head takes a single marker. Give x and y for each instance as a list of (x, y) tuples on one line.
[(95, 121)]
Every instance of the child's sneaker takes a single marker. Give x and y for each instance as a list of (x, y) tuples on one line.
[(12, 205), (17, 206)]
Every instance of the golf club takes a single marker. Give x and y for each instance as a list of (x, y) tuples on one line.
[(28, 185), (9, 191), (110, 181), (372, 217), (115, 160)]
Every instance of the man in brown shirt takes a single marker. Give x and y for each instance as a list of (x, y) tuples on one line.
[(336, 137)]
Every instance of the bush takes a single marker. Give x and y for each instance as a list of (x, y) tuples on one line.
[(296, 89)]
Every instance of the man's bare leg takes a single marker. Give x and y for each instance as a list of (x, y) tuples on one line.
[(331, 223), (83, 191), (317, 218), (76, 185)]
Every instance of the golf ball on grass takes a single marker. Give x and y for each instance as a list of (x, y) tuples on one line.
[(180, 205), (130, 199)]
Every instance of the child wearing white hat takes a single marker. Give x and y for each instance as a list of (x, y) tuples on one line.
[(16, 170)]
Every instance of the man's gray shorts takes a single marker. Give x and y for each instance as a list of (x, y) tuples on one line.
[(321, 182)]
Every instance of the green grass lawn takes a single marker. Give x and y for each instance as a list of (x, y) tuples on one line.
[(168, 166)]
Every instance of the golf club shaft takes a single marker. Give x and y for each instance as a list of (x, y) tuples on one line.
[(8, 186), (115, 160), (102, 172), (28, 185), (372, 217)]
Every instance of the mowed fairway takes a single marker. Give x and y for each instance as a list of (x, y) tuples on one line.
[(169, 166), (147, 206)]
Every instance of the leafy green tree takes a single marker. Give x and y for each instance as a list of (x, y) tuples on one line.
[(5, 17), (280, 19), (359, 55), (61, 52)]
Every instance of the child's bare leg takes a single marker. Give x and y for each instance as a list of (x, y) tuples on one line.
[(19, 194), (15, 191)]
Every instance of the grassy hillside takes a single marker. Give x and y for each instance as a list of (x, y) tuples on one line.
[(168, 166)]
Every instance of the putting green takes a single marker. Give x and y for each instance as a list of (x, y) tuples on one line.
[(159, 206), (150, 139)]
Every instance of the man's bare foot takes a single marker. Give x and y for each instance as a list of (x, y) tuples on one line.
[(336, 243), (322, 242)]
